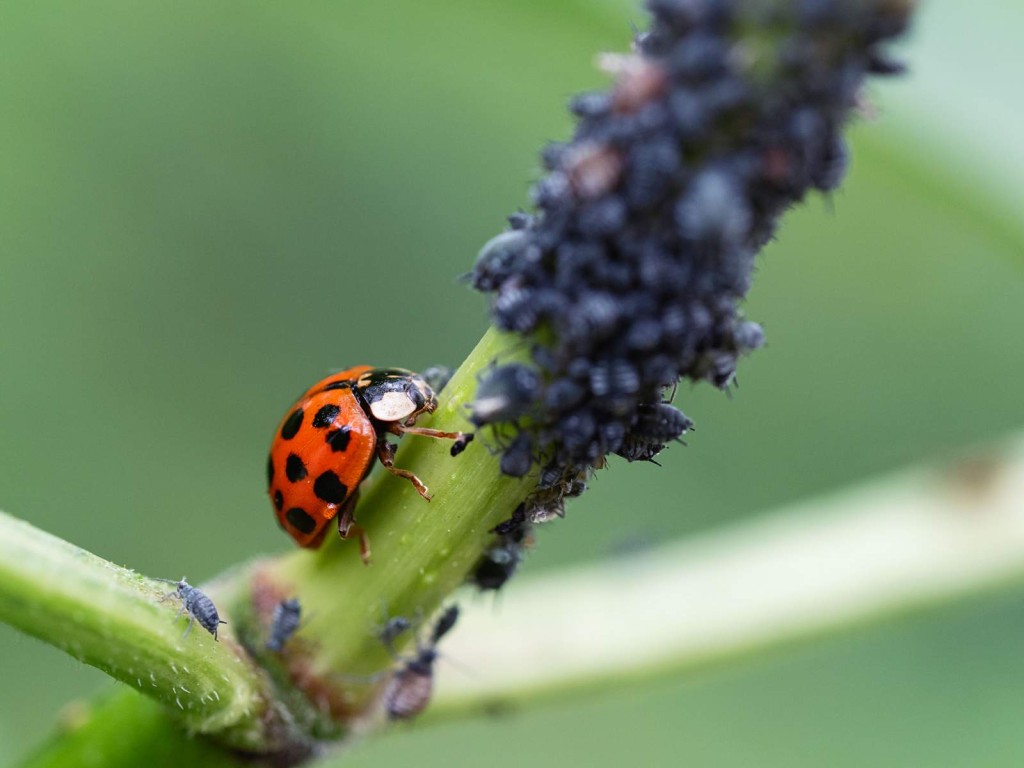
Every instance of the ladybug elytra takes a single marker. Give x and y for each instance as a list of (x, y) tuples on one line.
[(326, 444)]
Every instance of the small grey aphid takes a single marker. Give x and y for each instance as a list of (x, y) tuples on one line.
[(197, 605), (284, 623), (409, 690)]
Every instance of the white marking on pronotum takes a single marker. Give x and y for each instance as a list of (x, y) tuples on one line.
[(392, 406)]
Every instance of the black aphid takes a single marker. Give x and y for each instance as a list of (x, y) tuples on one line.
[(506, 393), (655, 427), (517, 459), (500, 562)]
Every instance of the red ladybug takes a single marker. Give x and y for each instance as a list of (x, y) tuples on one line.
[(326, 444)]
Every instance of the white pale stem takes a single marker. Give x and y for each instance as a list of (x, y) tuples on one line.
[(922, 537)]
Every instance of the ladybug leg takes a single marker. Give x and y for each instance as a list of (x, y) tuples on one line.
[(386, 454), (348, 527), (462, 439), (437, 434)]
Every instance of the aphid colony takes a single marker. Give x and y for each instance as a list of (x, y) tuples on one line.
[(629, 275)]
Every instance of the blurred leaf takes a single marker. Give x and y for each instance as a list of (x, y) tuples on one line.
[(962, 97), (937, 690)]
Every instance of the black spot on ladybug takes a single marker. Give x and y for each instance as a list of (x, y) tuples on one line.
[(291, 425), (300, 520), (338, 439), (338, 385), (328, 487), (270, 471), (325, 416), (278, 500), (294, 468)]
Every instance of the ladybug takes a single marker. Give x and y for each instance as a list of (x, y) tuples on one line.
[(327, 442)]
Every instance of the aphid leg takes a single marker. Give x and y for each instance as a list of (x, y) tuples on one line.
[(386, 452), (672, 396), (348, 527), (191, 621)]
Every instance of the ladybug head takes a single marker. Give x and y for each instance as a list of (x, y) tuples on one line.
[(395, 395)]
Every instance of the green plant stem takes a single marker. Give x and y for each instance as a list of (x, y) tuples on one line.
[(121, 622), (127, 730)]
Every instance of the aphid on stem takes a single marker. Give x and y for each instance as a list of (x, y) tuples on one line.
[(410, 688), (196, 604), (284, 623)]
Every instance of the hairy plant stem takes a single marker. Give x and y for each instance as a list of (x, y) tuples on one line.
[(123, 623)]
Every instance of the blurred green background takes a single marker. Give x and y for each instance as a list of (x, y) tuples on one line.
[(204, 207)]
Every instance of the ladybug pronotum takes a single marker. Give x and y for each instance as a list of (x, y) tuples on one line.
[(326, 444)]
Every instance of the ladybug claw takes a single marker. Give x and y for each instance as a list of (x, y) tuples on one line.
[(386, 454), (348, 527)]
